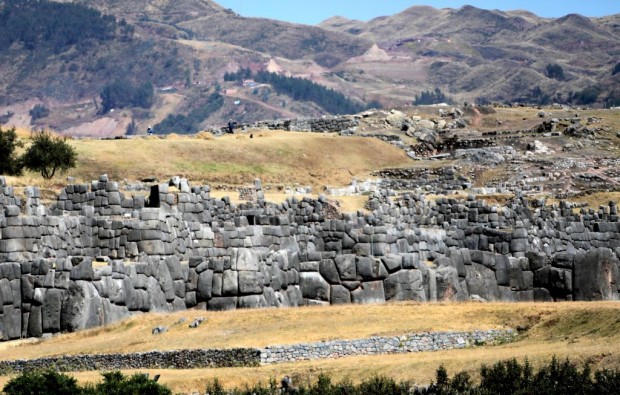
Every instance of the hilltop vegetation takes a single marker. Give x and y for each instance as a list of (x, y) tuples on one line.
[(50, 26), (301, 89)]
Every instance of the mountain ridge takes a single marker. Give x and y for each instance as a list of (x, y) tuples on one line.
[(183, 48)]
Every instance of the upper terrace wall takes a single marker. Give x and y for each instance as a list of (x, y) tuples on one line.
[(196, 251)]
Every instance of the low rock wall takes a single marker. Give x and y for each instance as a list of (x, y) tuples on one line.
[(240, 357), (416, 342), (182, 359)]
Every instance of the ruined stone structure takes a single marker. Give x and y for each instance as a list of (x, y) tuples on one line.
[(322, 125), (96, 256)]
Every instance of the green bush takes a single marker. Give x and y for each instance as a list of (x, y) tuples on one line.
[(47, 154), (42, 383), (431, 97), (115, 383), (122, 93), (10, 164), (555, 71)]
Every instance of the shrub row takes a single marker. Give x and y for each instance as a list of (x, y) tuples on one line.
[(504, 377)]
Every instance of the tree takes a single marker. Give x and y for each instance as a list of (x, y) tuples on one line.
[(10, 164), (431, 97), (38, 111), (47, 154), (555, 71)]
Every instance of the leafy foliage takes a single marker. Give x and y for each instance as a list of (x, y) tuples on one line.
[(47, 154), (47, 24), (42, 383), (555, 71), (588, 95), (190, 123), (121, 93), (51, 382), (302, 89), (115, 383), (10, 163), (504, 377), (431, 97), (38, 111)]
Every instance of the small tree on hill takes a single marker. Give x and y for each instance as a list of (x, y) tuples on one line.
[(555, 71), (9, 163), (47, 154)]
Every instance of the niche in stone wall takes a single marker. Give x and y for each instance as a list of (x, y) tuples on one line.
[(153, 200)]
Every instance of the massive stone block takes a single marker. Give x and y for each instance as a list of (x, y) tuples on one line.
[(596, 275), (340, 295), (82, 307), (405, 285), (481, 281), (314, 286), (369, 269), (327, 268), (250, 283), (346, 267), (52, 305), (370, 292)]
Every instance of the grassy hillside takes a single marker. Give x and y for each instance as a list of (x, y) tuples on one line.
[(585, 332), (281, 158)]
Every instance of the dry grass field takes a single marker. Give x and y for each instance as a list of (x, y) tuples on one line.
[(585, 332), (285, 158)]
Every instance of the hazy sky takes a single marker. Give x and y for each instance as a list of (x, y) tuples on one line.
[(314, 11)]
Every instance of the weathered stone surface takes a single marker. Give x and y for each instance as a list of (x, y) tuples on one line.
[(340, 295), (314, 286), (250, 283), (82, 307), (83, 270), (52, 305), (596, 275), (230, 283), (346, 267), (405, 285), (205, 285), (327, 268), (481, 281), (222, 303), (369, 269), (369, 292)]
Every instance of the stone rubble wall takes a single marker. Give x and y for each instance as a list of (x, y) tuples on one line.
[(92, 262), (181, 359), (417, 342), (219, 358), (335, 124)]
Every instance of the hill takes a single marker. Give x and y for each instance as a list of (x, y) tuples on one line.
[(181, 50)]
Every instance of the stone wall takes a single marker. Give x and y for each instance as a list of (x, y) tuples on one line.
[(416, 342), (182, 359), (214, 358), (96, 256), (325, 124)]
